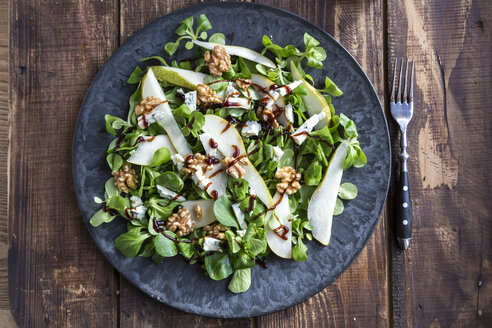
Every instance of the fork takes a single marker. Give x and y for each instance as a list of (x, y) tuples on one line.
[(402, 111)]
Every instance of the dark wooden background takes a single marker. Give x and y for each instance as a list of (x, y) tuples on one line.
[(57, 276)]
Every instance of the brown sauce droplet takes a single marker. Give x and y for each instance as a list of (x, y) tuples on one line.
[(177, 208), (281, 231), (251, 203), (215, 173), (176, 197), (212, 143), (226, 127), (236, 151), (214, 194), (109, 210), (190, 123)]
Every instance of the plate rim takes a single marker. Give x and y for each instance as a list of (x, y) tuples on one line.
[(194, 8)]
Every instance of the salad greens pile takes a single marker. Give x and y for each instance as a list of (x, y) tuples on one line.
[(240, 222)]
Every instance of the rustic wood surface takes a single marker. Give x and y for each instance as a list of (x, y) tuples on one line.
[(57, 276), (6, 318), (444, 280)]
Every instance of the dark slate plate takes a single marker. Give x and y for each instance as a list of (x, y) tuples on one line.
[(285, 282)]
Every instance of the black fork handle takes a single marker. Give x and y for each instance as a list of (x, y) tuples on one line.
[(404, 219)]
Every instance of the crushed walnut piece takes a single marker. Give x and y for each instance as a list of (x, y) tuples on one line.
[(289, 180), (218, 60), (243, 83), (195, 162), (205, 95), (268, 116), (180, 222), (125, 178), (216, 230), (235, 170), (198, 212), (147, 105)]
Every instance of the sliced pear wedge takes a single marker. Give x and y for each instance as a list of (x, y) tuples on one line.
[(147, 147), (238, 51), (281, 247), (265, 84), (151, 87), (207, 206), (313, 100), (217, 175), (177, 76), (226, 136), (322, 203)]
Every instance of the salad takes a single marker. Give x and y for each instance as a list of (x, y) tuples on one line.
[(228, 156)]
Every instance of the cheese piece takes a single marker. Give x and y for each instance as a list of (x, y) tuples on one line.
[(251, 128), (211, 244), (169, 194), (136, 201), (239, 216), (190, 100), (139, 212), (289, 113), (277, 153), (300, 134)]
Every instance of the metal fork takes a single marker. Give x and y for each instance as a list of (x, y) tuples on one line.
[(402, 111)]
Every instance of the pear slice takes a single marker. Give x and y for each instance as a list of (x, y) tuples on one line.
[(207, 206), (217, 175), (226, 136), (313, 100), (279, 246), (265, 84), (238, 51), (178, 76), (322, 203), (147, 147), (151, 87)]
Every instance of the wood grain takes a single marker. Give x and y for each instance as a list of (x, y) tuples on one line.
[(6, 318), (444, 280), (57, 277), (360, 296)]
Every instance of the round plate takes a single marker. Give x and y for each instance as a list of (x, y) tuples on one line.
[(285, 282)]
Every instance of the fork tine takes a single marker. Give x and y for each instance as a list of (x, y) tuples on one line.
[(394, 81), (400, 82), (405, 88), (411, 81)]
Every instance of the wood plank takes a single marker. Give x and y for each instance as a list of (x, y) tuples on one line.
[(444, 279), (6, 318), (57, 277), (136, 308), (360, 296)]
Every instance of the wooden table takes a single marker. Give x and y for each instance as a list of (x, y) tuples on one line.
[(57, 276)]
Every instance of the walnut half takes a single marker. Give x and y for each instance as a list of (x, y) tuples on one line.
[(125, 178), (194, 163), (216, 230), (181, 222), (233, 166), (218, 60), (268, 116), (205, 95), (147, 105), (289, 180), (243, 83)]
